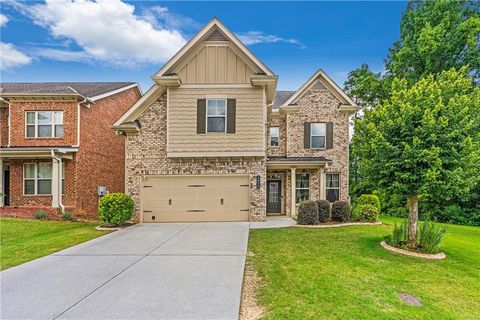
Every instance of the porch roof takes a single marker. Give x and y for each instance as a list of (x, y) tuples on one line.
[(296, 162), (36, 152)]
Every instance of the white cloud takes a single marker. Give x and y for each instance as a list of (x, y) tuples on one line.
[(106, 30), (161, 17), (11, 57), (3, 20), (256, 37), (62, 55)]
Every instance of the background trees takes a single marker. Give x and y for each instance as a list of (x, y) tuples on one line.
[(413, 136)]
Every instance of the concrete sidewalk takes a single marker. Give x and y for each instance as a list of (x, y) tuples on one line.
[(148, 271)]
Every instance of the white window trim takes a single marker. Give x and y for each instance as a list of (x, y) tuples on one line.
[(278, 136), (53, 124), (296, 188), (325, 136), (330, 188), (35, 179), (225, 116)]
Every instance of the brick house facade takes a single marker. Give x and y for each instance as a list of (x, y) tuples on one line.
[(200, 144), (61, 171)]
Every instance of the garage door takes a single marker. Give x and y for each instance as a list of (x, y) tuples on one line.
[(195, 198)]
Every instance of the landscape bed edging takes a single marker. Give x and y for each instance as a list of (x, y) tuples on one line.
[(436, 256), (337, 225)]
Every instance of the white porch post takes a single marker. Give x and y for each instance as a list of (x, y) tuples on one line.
[(293, 185), (322, 184), (1, 183), (55, 186), (59, 181)]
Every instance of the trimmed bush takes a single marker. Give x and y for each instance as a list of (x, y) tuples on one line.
[(308, 213), (116, 208), (323, 210), (341, 211), (365, 212), (40, 214), (370, 199)]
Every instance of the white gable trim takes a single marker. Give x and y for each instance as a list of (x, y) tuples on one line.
[(311, 81), (111, 93), (214, 22)]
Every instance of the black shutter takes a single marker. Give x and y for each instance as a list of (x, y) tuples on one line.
[(231, 115), (306, 135), (329, 135), (201, 115)]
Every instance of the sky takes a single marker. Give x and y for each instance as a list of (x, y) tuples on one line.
[(115, 40)]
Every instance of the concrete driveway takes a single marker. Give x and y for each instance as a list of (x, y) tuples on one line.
[(148, 271)]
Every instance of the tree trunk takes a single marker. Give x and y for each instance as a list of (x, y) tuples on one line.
[(412, 221)]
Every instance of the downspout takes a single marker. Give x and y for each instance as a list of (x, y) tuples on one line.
[(60, 198)]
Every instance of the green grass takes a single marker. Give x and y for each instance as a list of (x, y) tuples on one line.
[(25, 240), (343, 273)]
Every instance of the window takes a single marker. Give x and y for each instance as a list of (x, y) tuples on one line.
[(317, 135), (302, 187), (216, 115), (44, 124), (37, 178), (333, 187), (274, 134)]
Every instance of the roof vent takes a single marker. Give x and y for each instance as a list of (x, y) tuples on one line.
[(318, 86), (216, 35)]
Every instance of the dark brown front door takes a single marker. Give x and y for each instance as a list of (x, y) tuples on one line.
[(274, 199)]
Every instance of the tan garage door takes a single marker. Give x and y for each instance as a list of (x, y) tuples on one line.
[(195, 198)]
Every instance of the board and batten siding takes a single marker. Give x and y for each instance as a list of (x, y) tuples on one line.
[(215, 65), (182, 121)]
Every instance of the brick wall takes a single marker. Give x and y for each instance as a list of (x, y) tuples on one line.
[(3, 126), (146, 155), (101, 157), (17, 121), (279, 151)]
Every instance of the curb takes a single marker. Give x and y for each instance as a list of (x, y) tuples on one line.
[(437, 256)]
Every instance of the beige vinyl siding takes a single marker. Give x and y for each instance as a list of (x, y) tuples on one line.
[(182, 121), (215, 64)]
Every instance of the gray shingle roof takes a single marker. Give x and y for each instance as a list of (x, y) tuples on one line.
[(281, 97), (86, 89)]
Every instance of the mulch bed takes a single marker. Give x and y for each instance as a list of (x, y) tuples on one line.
[(333, 224), (250, 309)]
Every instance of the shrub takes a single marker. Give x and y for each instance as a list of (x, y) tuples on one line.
[(430, 237), (398, 238), (323, 210), (116, 208), (341, 211), (370, 199), (308, 213), (40, 214), (365, 212), (67, 216)]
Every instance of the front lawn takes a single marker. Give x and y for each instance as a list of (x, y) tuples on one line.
[(25, 240), (343, 273)]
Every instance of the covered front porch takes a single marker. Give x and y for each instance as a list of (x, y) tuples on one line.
[(33, 176), (291, 181)]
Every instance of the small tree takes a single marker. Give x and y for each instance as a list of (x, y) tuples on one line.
[(423, 140)]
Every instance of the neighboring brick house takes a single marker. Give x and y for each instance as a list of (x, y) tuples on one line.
[(211, 140), (57, 147)]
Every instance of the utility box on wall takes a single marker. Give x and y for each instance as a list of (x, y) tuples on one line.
[(102, 191)]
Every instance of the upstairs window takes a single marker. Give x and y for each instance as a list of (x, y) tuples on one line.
[(44, 124), (333, 187), (274, 136), (317, 135), (216, 115)]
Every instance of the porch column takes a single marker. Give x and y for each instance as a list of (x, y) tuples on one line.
[(293, 185), (55, 186), (1, 183), (322, 184)]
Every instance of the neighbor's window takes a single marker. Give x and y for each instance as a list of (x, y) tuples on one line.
[(317, 135), (44, 124), (333, 187), (37, 178), (216, 115), (302, 187), (274, 134)]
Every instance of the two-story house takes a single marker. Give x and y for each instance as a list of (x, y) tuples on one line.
[(57, 148), (212, 140)]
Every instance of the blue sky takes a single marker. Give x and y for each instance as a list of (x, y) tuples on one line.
[(111, 40)]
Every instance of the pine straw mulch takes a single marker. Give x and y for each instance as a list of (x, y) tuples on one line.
[(250, 308)]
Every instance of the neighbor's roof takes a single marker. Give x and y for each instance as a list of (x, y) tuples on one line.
[(281, 97), (86, 89)]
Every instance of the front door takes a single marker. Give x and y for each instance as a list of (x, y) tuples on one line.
[(6, 187), (274, 199)]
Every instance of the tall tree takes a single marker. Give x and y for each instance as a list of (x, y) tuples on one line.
[(436, 36), (365, 86), (423, 140)]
